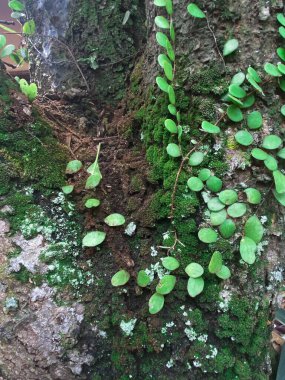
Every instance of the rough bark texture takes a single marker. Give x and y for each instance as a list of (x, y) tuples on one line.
[(223, 333)]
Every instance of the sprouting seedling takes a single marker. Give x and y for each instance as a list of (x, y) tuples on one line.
[(95, 174)]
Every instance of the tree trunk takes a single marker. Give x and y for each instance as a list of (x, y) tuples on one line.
[(97, 61)]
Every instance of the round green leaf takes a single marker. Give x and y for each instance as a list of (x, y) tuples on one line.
[(210, 128), (195, 286), (159, 3), (93, 180), (218, 217), (195, 184), (162, 22), (272, 70), (215, 204), (207, 235), (271, 142), (170, 126), (29, 27), (281, 18), (228, 197), (248, 101), (166, 284), (281, 67), (92, 202), (7, 50), (247, 250), (195, 11), (253, 195), (143, 279), (194, 270), (281, 53), (173, 150), (161, 59), (238, 78), (237, 210), (216, 262), (168, 70), (120, 278), (227, 229), (259, 154), (172, 109), (236, 91), (281, 153), (115, 220), (244, 138), (171, 95), (230, 46), (254, 120), (271, 163), (253, 229), (155, 303), (67, 189), (162, 39), (224, 273), (162, 84), (279, 180), (16, 5), (196, 158), (214, 184), (73, 167), (234, 113), (204, 174), (170, 263), (254, 75), (94, 238)]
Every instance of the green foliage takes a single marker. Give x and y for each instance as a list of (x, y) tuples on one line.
[(120, 278), (30, 90), (73, 167), (94, 238), (114, 220), (230, 46)]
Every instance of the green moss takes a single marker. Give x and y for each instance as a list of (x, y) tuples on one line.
[(208, 81)]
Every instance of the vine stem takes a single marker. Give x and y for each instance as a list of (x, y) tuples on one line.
[(216, 43)]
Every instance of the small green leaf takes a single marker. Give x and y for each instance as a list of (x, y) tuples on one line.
[(279, 180), (215, 205), (194, 270), (234, 100), (143, 279), (272, 70), (253, 229), (195, 184), (170, 263), (162, 84), (280, 197), (234, 113), (172, 109), (259, 154), (218, 217), (281, 153), (253, 195), (271, 163), (238, 78), (73, 167), (7, 50), (237, 210), (210, 128), (161, 59), (281, 67), (115, 220), (195, 286), (281, 82), (172, 32), (155, 303), (236, 91), (162, 22), (230, 46), (162, 39), (281, 53), (166, 284), (16, 5), (196, 158), (120, 278), (2, 41), (93, 181), (228, 197), (204, 174), (271, 142), (254, 74), (173, 150), (67, 189), (254, 120), (247, 250), (195, 11), (29, 27), (94, 238), (248, 101), (170, 52), (216, 262), (254, 84), (214, 184), (207, 235), (227, 229), (224, 273), (159, 3), (168, 70), (170, 126), (171, 95), (281, 18), (244, 138), (92, 202), (169, 7)]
